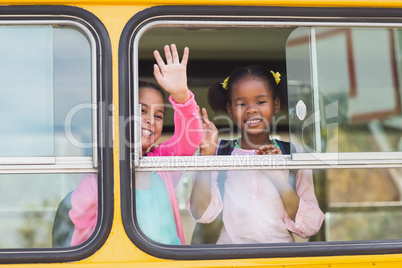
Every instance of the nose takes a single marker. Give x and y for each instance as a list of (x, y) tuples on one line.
[(251, 110), (146, 119)]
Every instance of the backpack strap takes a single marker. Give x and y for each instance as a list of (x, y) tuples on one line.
[(284, 146), (287, 148), (225, 148)]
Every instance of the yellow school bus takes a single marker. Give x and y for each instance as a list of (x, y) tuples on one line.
[(69, 73)]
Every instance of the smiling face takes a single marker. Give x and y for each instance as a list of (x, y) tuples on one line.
[(252, 108), (152, 113)]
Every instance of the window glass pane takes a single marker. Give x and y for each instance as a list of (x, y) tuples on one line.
[(369, 225), (362, 203), (252, 208), (352, 200), (26, 90), (72, 93), (45, 82), (345, 89), (28, 204)]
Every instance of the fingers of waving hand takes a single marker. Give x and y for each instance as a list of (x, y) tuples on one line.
[(158, 58), (205, 117), (172, 56), (172, 76), (184, 60)]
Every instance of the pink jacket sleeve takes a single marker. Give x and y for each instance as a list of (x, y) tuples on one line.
[(187, 131), (309, 216), (84, 211)]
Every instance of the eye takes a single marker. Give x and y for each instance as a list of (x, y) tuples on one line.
[(240, 104), (143, 111), (159, 117), (261, 102)]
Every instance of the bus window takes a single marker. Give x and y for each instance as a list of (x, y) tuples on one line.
[(50, 83), (47, 87), (340, 113)]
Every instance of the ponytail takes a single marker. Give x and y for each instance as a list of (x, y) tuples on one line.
[(218, 97)]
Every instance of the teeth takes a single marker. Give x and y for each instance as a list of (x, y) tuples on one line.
[(253, 121), (146, 132)]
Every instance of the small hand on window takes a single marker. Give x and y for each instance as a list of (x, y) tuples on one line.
[(269, 149)]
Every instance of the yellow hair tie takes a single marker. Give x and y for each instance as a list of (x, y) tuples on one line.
[(277, 77), (225, 83)]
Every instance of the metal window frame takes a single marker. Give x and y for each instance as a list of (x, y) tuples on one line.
[(101, 161)]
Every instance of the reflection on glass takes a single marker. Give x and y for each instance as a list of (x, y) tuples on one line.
[(348, 78), (228, 207), (45, 88), (73, 94), (28, 203), (26, 91)]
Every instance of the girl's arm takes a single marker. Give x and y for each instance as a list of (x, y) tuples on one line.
[(280, 180), (173, 78), (201, 195), (288, 195), (290, 199), (205, 202), (309, 216), (187, 131), (304, 217)]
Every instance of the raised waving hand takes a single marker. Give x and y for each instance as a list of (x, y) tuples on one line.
[(172, 74)]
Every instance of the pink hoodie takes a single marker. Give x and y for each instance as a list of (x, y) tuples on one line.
[(184, 142)]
